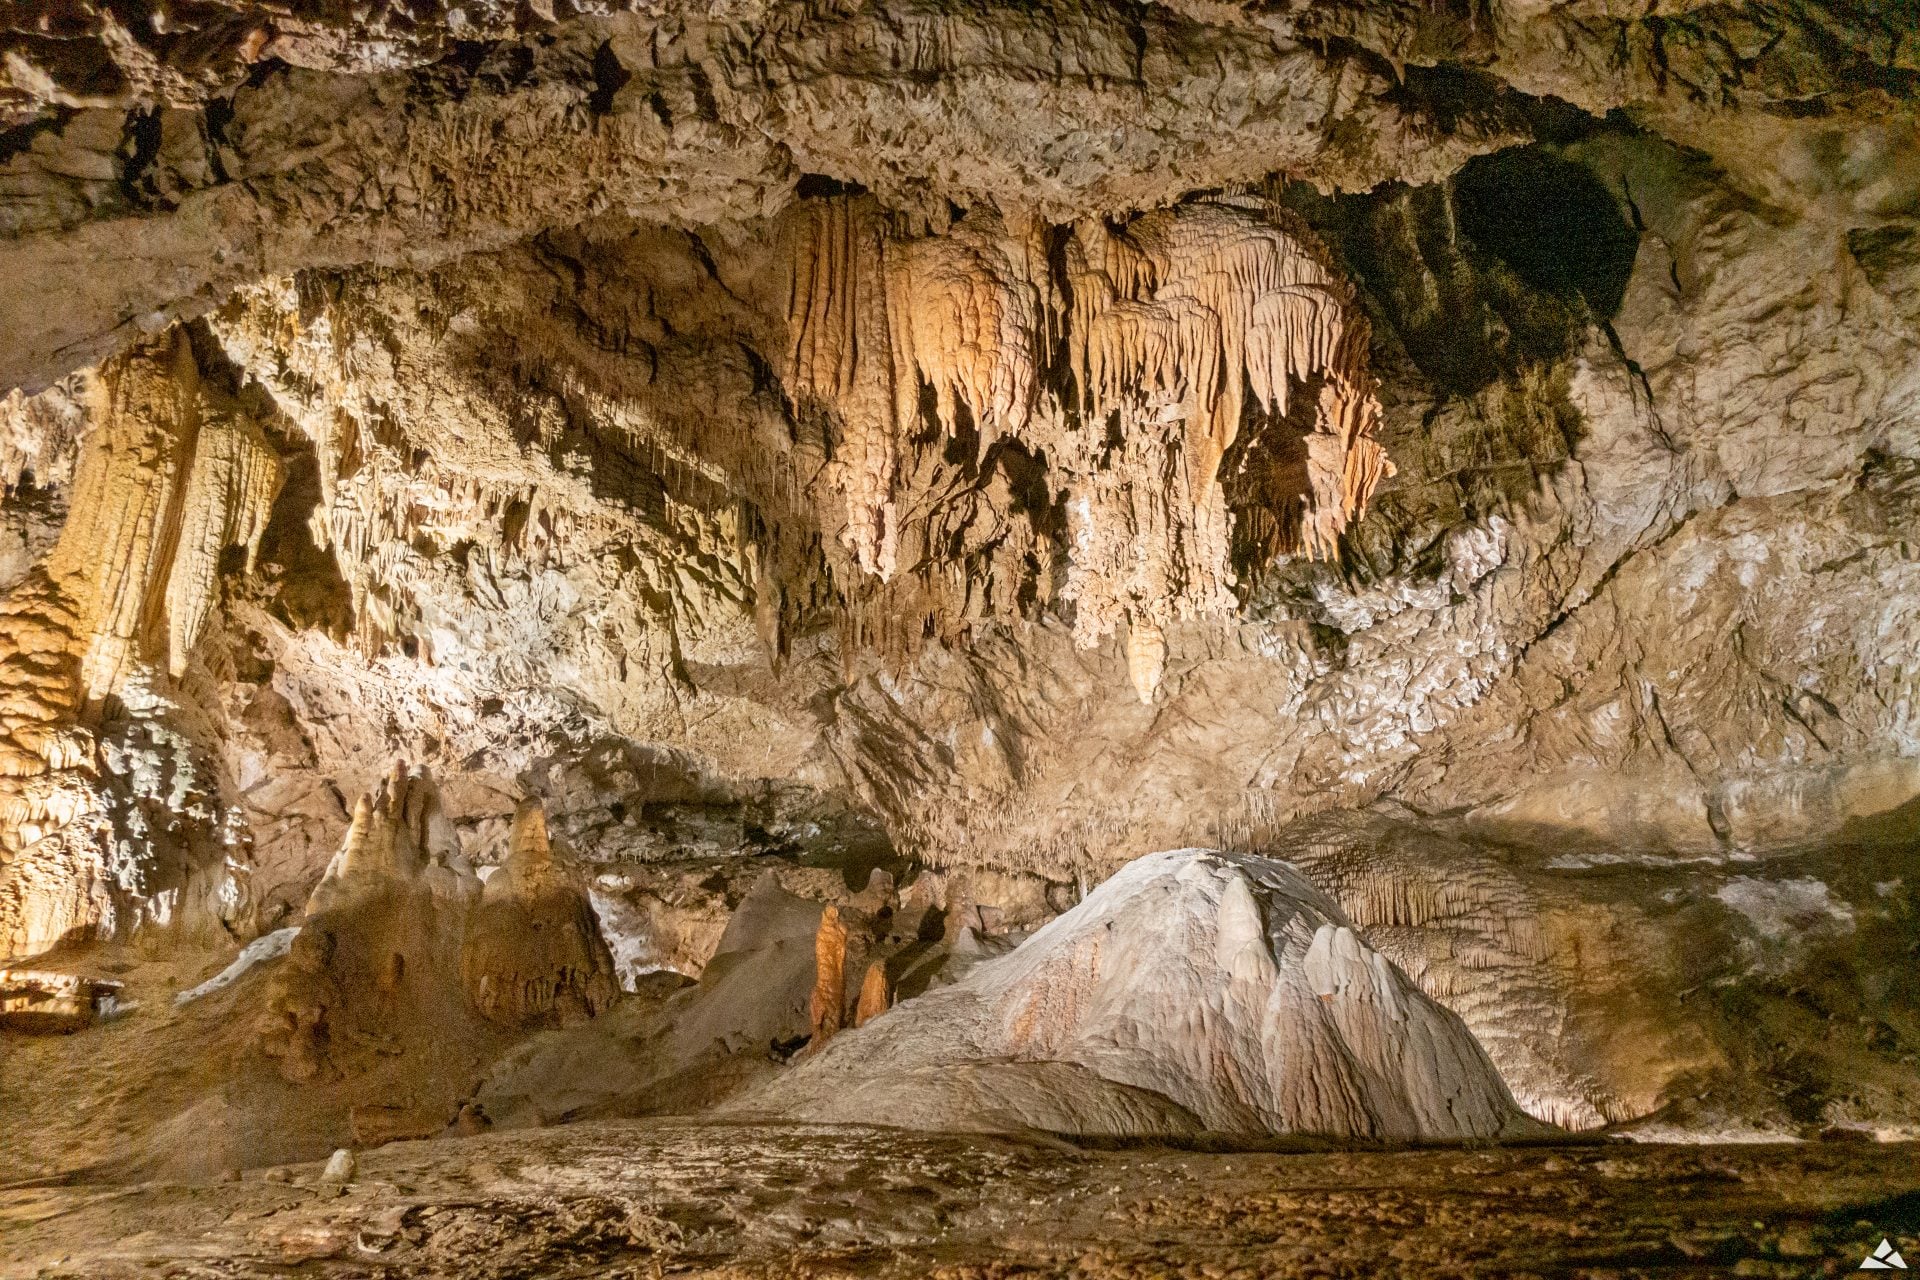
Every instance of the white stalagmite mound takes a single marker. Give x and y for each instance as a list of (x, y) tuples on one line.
[(1195, 990)]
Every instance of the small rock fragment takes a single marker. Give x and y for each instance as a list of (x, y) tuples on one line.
[(341, 1167)]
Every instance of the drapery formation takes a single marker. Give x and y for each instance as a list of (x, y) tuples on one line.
[(1129, 356), (171, 473)]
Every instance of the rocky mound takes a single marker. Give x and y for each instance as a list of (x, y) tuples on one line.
[(1194, 991)]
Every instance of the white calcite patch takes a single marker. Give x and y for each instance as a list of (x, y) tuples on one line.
[(1784, 908), (267, 947)]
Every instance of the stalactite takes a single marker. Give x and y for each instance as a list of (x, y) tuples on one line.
[(39, 434), (841, 356), (1146, 658), (963, 320), (1182, 325), (230, 491), (168, 476)]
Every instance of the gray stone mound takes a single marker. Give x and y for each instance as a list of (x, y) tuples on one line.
[(1195, 991)]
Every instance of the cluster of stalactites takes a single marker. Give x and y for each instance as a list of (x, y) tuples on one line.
[(170, 473), (379, 512), (39, 434), (1181, 323), (839, 355)]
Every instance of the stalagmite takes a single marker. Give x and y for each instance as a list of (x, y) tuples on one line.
[(876, 996), (1195, 990), (400, 928), (827, 1006), (534, 953), (399, 832)]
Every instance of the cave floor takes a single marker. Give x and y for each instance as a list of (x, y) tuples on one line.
[(657, 1198)]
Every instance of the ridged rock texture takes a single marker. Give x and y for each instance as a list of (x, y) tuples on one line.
[(172, 474), (1194, 991), (534, 952), (1470, 452), (1181, 325), (401, 940)]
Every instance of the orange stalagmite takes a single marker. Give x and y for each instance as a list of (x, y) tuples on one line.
[(876, 994)]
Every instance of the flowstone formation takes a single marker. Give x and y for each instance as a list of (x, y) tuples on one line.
[(1193, 992), (172, 473)]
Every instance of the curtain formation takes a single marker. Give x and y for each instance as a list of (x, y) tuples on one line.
[(1130, 356)]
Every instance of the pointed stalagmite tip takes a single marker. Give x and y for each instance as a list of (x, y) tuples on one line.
[(528, 848), (1146, 659)]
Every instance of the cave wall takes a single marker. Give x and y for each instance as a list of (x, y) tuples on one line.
[(1611, 643)]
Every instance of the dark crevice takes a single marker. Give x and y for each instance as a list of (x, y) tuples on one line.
[(609, 77), (20, 138), (818, 186), (216, 116), (140, 144), (1552, 221)]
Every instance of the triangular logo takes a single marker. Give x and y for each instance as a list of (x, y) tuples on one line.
[(1884, 1258)]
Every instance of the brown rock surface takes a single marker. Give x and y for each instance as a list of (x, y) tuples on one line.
[(1470, 453), (534, 954), (766, 1202)]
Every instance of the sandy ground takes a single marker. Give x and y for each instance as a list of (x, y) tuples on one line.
[(656, 1198)]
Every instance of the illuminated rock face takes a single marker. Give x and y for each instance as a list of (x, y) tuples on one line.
[(1192, 991), (1168, 332), (171, 474), (1469, 455)]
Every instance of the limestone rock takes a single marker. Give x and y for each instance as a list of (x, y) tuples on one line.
[(402, 941), (1223, 985), (1181, 324), (341, 1167), (1470, 452), (534, 952), (41, 1002), (171, 474)]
